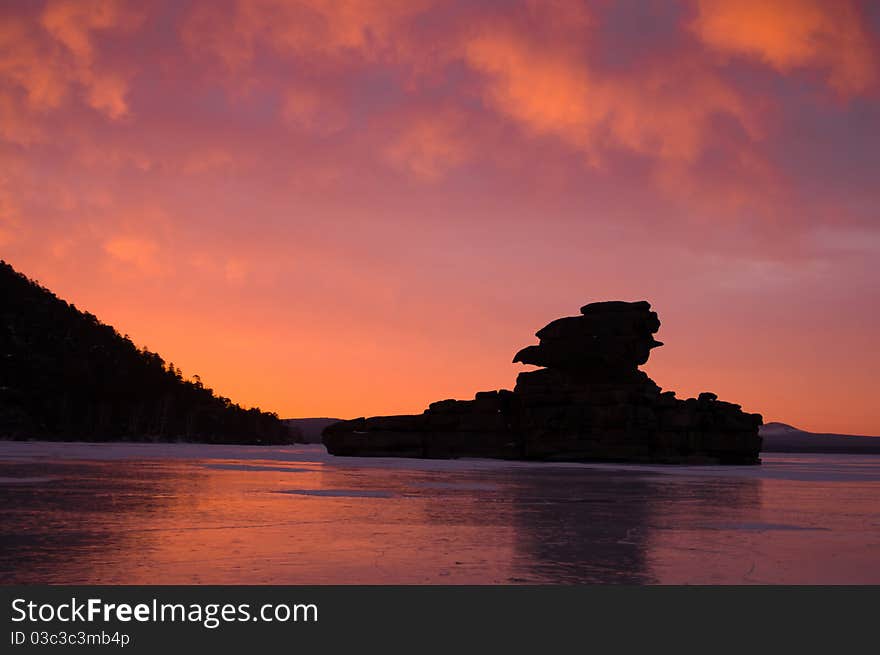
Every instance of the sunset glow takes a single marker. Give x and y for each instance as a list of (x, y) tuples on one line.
[(347, 208)]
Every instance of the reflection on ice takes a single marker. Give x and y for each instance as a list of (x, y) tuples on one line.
[(254, 467), (761, 527), (339, 493), (185, 513)]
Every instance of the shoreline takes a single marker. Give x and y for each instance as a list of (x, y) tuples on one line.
[(790, 442)]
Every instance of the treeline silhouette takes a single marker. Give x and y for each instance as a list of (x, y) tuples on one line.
[(64, 375)]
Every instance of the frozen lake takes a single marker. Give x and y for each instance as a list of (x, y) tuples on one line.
[(196, 514)]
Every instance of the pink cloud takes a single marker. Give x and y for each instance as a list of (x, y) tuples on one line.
[(794, 34), (431, 144), (141, 253)]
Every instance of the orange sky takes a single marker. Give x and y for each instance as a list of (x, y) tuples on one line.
[(358, 207)]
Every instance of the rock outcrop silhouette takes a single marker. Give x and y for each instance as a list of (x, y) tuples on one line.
[(589, 402)]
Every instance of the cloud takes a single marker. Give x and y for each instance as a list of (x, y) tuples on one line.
[(139, 253), (794, 34), (204, 159), (27, 64), (664, 109), (328, 29), (48, 53), (530, 64), (312, 109), (430, 144), (106, 93), (73, 23)]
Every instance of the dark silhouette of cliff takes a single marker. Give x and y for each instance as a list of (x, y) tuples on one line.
[(65, 375), (590, 401)]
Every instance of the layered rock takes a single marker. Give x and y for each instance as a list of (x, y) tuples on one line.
[(589, 402)]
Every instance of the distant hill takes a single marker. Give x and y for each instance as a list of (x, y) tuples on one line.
[(67, 376), (775, 427), (308, 430), (784, 438)]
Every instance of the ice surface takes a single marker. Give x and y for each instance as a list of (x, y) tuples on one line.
[(191, 514)]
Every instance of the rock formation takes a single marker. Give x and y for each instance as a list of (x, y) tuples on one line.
[(589, 402)]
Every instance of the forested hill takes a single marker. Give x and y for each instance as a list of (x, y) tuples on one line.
[(65, 375)]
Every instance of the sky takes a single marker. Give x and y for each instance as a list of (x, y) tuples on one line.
[(346, 208)]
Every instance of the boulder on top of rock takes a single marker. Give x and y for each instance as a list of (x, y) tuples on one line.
[(617, 324), (613, 306), (609, 337)]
